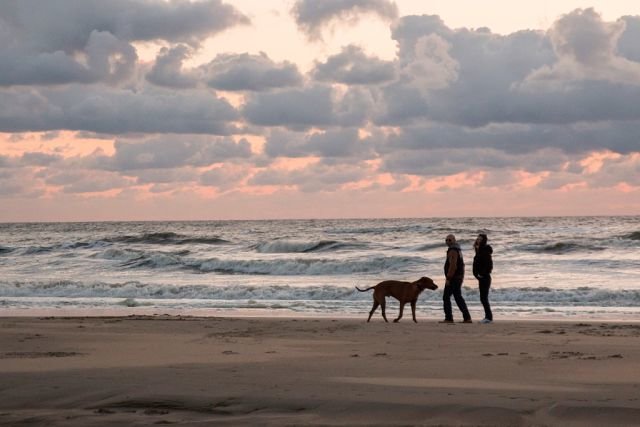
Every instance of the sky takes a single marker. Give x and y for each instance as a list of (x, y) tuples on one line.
[(211, 109)]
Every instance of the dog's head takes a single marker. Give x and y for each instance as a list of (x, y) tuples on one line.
[(426, 283)]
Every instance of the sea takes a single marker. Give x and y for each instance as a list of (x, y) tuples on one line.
[(544, 268)]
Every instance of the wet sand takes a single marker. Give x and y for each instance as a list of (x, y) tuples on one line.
[(151, 370)]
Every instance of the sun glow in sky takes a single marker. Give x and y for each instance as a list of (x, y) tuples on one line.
[(154, 110)]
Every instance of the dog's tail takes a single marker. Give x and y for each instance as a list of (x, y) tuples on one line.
[(365, 290)]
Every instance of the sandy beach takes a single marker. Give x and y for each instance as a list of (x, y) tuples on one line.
[(148, 370)]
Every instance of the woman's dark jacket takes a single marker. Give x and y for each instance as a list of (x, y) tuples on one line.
[(482, 262)]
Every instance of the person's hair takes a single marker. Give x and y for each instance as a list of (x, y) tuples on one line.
[(484, 238)]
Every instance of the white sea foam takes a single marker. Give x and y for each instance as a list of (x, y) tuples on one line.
[(584, 296), (296, 246)]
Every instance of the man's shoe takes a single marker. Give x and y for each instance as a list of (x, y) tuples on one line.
[(485, 321), (467, 321), (446, 321)]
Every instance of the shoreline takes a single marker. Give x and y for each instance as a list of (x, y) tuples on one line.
[(283, 314), (147, 370)]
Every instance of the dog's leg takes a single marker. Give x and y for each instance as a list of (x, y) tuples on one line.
[(375, 305), (399, 314), (413, 310), (384, 315)]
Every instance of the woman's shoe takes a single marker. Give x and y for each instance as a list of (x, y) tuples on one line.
[(486, 321)]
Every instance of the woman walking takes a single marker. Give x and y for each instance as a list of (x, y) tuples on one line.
[(482, 267)]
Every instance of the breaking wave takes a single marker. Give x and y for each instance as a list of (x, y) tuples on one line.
[(632, 236), (306, 266), (292, 246), (131, 258), (560, 248), (167, 238), (132, 291)]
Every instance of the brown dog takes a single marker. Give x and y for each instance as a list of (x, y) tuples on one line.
[(402, 291)]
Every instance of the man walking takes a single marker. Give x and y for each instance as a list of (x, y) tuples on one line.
[(454, 273)]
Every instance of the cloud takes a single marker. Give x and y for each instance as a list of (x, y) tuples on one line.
[(85, 181), (317, 177), (245, 72), (166, 152), (431, 66), (586, 47), (67, 25), (107, 59), (18, 184), (114, 111), (226, 72), (316, 105), (85, 41), (465, 77), (312, 15), (444, 150), (353, 67), (224, 177), (615, 136), (167, 69), (527, 77), (40, 159), (338, 143), (485, 109), (628, 45)]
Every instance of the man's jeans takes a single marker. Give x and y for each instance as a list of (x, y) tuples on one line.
[(454, 288)]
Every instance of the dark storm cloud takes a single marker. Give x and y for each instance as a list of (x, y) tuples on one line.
[(114, 111), (353, 67), (312, 15), (40, 41)]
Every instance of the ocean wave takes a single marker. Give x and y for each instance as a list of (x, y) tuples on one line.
[(132, 291), (167, 238), (305, 266), (5, 250), (632, 236), (428, 247), (413, 228), (133, 258), (34, 250), (293, 246), (559, 248)]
